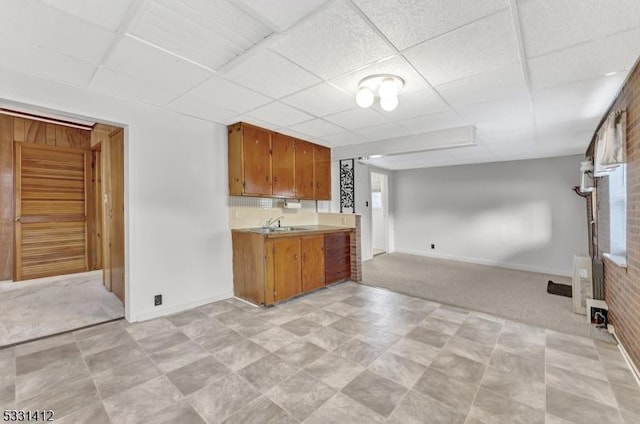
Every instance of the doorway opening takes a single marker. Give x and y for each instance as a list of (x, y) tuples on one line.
[(61, 225), (379, 214)]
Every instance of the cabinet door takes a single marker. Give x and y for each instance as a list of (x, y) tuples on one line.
[(286, 268), (283, 165), (322, 159), (312, 249), (304, 170), (257, 161)]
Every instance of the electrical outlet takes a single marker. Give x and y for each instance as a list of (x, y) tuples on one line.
[(157, 300), (433, 246)]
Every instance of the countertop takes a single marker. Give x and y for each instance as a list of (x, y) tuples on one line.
[(298, 230)]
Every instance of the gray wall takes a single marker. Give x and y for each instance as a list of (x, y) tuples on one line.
[(520, 214)]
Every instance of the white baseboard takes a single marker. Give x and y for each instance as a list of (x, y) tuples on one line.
[(625, 354), (480, 261), (168, 310)]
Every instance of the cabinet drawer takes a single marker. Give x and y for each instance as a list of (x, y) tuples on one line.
[(336, 254), (337, 263), (337, 240)]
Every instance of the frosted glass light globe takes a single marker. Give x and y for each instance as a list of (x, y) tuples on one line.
[(389, 103), (365, 97), (388, 88)]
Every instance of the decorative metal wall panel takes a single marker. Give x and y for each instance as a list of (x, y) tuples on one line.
[(347, 186)]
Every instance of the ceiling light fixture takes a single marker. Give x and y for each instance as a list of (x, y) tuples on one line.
[(386, 86)]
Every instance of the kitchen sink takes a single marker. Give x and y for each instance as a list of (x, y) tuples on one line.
[(279, 229)]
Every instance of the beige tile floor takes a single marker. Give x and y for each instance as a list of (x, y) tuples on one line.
[(346, 354)]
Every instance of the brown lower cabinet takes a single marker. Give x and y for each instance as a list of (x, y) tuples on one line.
[(268, 269)]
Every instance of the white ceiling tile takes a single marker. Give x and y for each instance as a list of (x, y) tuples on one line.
[(604, 88), (580, 117), (492, 85), (549, 25), (395, 65), (507, 140), (107, 14), (508, 114), (143, 62), (479, 47), (417, 103), (210, 33), (282, 14), (383, 131), (321, 100), (586, 61), (198, 109), (335, 41), (295, 134), (31, 59), (433, 122), (50, 28), (270, 74), (345, 138), (279, 114), (226, 95), (409, 22), (524, 154), (253, 121), (115, 84), (357, 118), (317, 128)]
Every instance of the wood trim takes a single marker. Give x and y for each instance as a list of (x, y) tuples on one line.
[(48, 218), (17, 193), (6, 198), (54, 121)]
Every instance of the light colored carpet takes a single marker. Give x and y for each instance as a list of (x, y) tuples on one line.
[(517, 295), (47, 306)]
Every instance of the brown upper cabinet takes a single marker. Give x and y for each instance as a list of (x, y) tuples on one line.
[(322, 166), (270, 164), (304, 170), (283, 164)]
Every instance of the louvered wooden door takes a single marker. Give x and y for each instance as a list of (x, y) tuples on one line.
[(50, 231)]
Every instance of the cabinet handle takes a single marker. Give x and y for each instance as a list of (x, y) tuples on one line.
[(266, 178), (275, 179), (295, 257)]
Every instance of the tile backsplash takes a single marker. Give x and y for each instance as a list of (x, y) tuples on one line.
[(249, 212)]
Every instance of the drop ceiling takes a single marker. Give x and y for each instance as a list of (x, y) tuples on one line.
[(533, 77)]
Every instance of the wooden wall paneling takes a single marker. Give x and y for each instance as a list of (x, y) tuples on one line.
[(97, 205), (106, 207), (116, 213), (17, 229), (6, 197), (90, 212), (51, 134), (35, 132), (18, 129)]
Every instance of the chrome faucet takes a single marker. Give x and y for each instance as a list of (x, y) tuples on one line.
[(272, 221)]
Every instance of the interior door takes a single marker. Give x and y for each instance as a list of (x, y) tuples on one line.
[(113, 232), (50, 211), (286, 268), (312, 249)]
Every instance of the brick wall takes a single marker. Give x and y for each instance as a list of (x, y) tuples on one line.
[(622, 285)]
